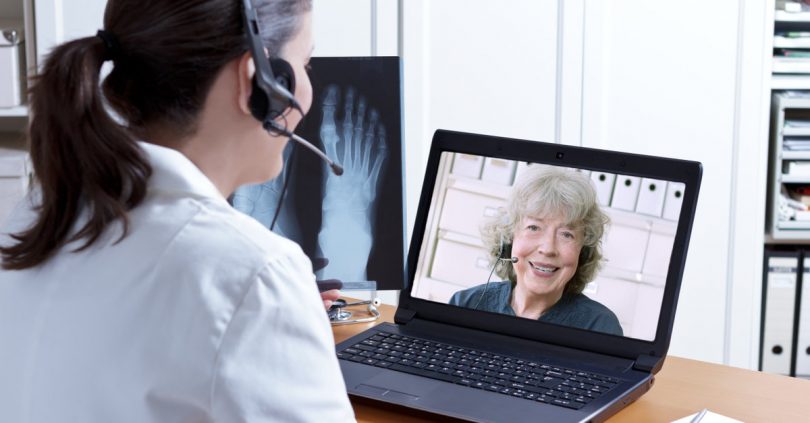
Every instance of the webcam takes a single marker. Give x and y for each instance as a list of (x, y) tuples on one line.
[(560, 155)]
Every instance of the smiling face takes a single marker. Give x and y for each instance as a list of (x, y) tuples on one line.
[(547, 250)]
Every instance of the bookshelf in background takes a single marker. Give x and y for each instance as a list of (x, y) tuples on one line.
[(788, 204), (789, 180), (791, 46)]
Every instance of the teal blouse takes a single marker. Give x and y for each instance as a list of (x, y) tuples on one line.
[(575, 310)]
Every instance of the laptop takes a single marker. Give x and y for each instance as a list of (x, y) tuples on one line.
[(567, 318)]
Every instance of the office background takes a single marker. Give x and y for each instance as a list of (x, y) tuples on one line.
[(683, 79)]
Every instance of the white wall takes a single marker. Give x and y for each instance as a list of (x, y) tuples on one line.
[(668, 81), (669, 91), (58, 21)]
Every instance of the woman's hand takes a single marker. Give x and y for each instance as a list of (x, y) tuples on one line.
[(329, 297)]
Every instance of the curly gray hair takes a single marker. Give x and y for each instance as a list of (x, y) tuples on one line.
[(546, 190)]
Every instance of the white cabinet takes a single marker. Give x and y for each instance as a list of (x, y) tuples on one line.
[(16, 14), (15, 169)]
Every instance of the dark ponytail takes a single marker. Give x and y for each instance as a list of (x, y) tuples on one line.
[(82, 158), (88, 167)]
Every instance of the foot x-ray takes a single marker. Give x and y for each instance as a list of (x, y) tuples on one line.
[(351, 226)]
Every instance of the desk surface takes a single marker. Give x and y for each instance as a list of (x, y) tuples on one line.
[(681, 388)]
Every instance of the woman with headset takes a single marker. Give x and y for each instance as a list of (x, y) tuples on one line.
[(130, 289), (547, 245)]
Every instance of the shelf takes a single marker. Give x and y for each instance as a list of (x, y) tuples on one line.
[(790, 230), (789, 238), (790, 82), (477, 186), (782, 16), (795, 131), (792, 179), (791, 65), (787, 42), (795, 155), (19, 111)]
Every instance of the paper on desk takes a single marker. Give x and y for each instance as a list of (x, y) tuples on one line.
[(709, 417)]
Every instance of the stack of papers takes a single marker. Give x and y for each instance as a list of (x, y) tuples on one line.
[(795, 94), (707, 417), (795, 123), (796, 168), (790, 6), (796, 144)]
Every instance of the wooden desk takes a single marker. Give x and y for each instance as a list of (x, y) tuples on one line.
[(681, 388)]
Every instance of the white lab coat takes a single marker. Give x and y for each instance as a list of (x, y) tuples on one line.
[(200, 314)]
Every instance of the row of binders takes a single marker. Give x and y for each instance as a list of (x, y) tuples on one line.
[(650, 197), (646, 196), (785, 337)]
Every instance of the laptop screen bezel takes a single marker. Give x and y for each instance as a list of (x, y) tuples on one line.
[(674, 170)]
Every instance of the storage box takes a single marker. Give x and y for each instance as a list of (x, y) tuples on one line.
[(12, 65)]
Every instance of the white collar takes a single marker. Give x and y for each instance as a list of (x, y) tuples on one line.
[(172, 171)]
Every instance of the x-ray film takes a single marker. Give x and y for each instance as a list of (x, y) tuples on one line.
[(351, 226)]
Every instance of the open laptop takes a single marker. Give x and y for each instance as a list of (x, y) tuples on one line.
[(590, 353)]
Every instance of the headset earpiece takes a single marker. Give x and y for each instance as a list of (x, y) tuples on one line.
[(284, 73), (505, 252), (271, 105)]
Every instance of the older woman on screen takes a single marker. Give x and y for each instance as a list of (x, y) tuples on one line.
[(547, 245)]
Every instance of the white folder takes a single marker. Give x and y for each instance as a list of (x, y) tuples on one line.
[(625, 192), (674, 200), (803, 344), (780, 301), (651, 197), (603, 184), (467, 165), (498, 171)]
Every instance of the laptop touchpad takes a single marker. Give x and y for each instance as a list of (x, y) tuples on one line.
[(398, 386)]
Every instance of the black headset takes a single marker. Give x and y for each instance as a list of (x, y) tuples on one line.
[(505, 252), (274, 80)]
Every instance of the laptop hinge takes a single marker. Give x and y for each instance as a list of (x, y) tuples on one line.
[(648, 363), (403, 316)]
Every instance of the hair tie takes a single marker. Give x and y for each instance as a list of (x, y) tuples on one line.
[(111, 46)]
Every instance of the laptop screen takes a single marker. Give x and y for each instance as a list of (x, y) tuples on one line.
[(565, 246)]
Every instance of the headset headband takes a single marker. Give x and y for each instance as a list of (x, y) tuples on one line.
[(264, 77)]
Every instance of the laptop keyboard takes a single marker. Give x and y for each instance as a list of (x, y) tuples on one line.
[(481, 370)]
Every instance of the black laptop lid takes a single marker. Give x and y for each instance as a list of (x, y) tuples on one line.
[(568, 245)]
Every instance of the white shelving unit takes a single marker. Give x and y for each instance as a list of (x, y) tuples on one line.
[(791, 73), (790, 120), (19, 12)]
